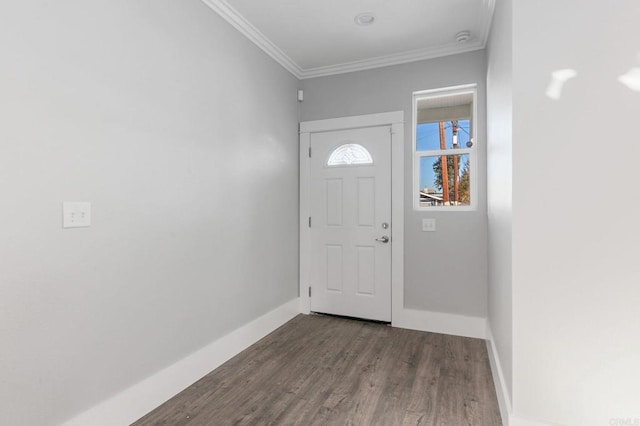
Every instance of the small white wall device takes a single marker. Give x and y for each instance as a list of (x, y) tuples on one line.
[(76, 214), (428, 225)]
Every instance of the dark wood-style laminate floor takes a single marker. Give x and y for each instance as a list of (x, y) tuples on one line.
[(322, 370)]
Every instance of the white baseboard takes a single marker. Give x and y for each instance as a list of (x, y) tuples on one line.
[(134, 402), (504, 402), (519, 421), (439, 322)]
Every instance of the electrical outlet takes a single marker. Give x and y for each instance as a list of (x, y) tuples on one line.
[(76, 214), (428, 225)]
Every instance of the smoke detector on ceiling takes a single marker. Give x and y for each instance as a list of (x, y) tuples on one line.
[(364, 19), (463, 36)]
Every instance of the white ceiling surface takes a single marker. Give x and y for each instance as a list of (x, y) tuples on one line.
[(312, 38)]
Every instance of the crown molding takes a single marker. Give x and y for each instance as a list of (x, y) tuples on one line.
[(486, 25), (388, 60), (233, 17)]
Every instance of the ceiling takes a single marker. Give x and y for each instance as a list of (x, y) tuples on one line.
[(312, 38)]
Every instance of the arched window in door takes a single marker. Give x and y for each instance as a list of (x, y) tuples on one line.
[(348, 155)]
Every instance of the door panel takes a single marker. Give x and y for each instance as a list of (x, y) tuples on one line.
[(334, 268), (366, 267), (366, 201), (350, 202), (334, 202)]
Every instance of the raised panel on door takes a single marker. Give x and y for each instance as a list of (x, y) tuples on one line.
[(366, 201), (334, 267), (334, 202), (365, 271)]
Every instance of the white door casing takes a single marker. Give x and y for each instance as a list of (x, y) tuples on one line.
[(350, 222), (308, 131)]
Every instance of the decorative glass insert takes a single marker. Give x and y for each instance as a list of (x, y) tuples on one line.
[(349, 154)]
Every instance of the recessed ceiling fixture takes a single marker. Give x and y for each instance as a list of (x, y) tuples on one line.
[(364, 19), (463, 36)]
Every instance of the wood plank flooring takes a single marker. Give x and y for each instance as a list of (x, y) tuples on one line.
[(322, 370)]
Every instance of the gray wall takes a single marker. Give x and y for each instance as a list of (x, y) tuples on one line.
[(499, 186), (182, 134), (433, 280), (576, 275)]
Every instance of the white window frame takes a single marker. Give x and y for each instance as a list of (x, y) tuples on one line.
[(472, 152)]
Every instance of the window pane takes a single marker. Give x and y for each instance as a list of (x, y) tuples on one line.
[(349, 154), (452, 189), (428, 135)]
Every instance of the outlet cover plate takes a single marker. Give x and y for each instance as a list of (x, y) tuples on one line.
[(429, 225), (76, 214)]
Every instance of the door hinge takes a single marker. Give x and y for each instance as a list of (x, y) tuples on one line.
[(309, 291), (309, 152), (309, 221)]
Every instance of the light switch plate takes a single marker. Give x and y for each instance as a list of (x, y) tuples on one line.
[(76, 214), (428, 225)]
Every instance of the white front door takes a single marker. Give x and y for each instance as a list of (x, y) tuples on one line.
[(350, 206)]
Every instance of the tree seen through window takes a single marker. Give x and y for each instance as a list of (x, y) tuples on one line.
[(449, 185)]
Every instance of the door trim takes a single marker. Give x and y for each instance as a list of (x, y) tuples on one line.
[(394, 119)]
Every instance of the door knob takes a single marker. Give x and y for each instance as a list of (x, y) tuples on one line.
[(384, 239)]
